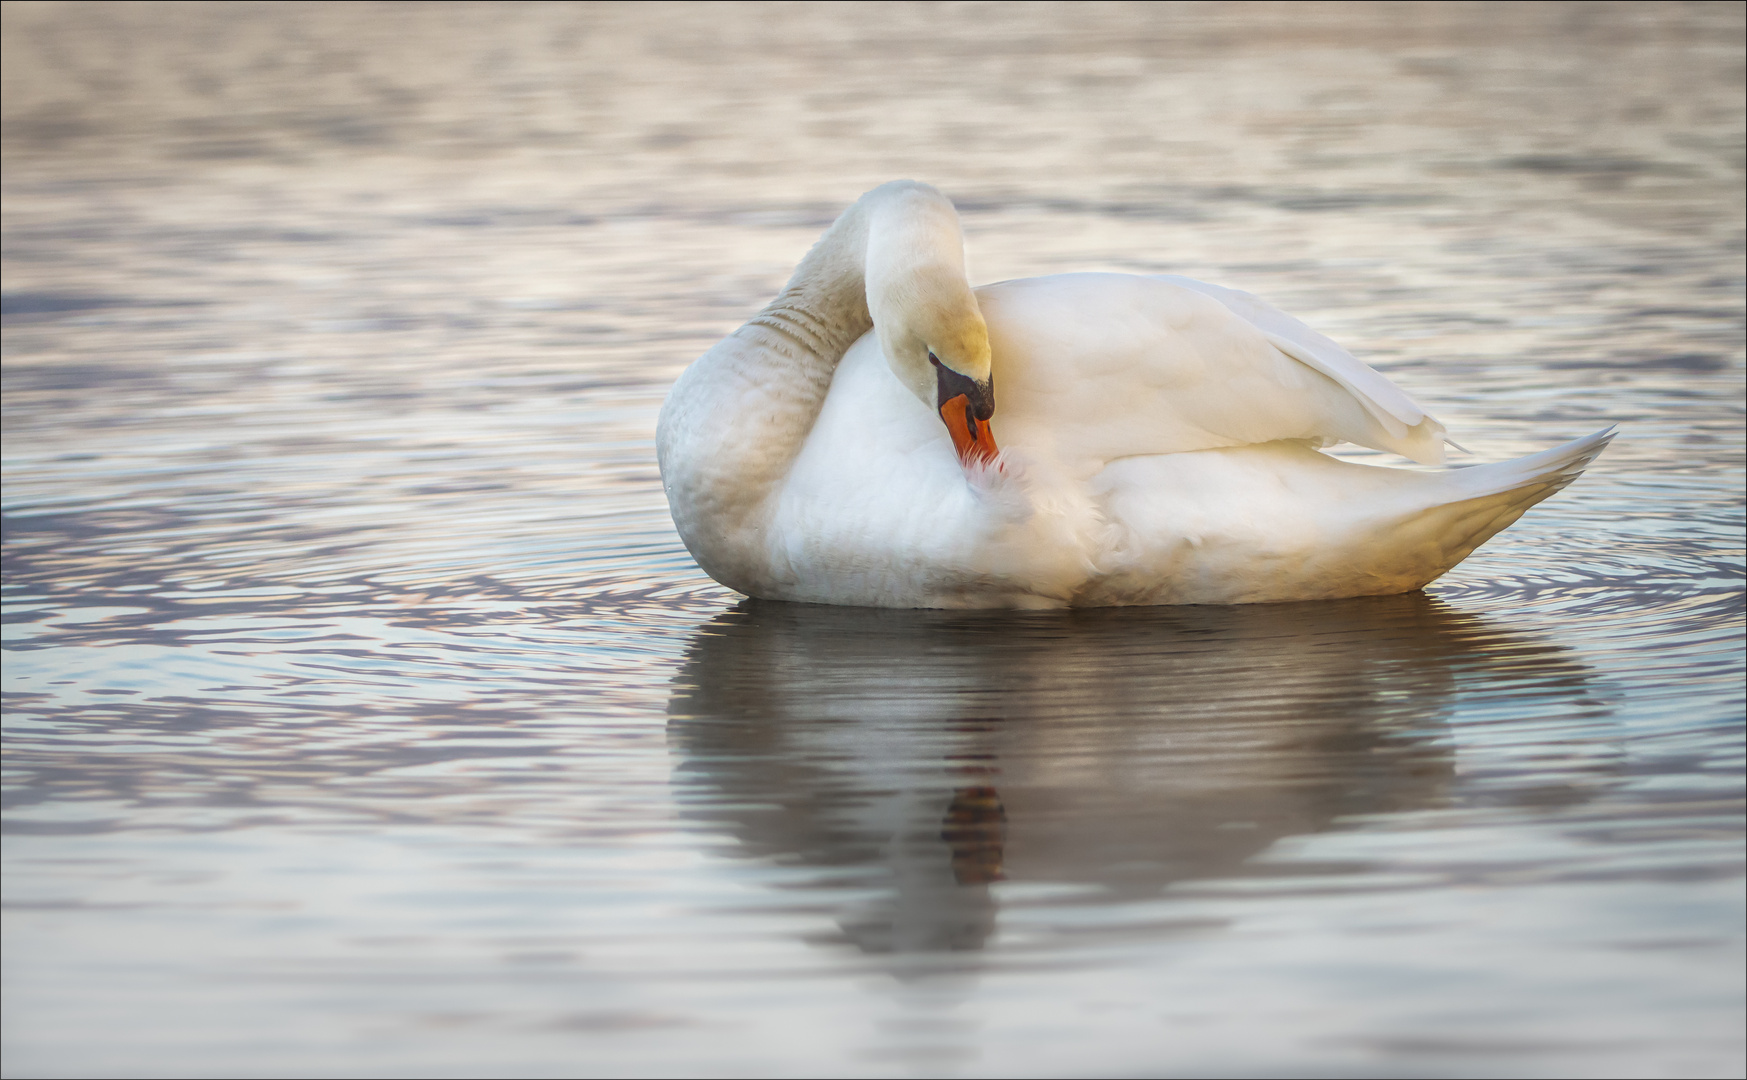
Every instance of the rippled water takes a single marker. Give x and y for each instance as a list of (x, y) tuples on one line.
[(366, 717)]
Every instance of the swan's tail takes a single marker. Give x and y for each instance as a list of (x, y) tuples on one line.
[(1281, 521), (1542, 473), (1475, 503)]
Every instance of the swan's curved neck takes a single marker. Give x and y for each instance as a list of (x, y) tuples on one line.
[(739, 415), (823, 309)]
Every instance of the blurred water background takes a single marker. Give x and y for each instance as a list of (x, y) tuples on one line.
[(365, 717)]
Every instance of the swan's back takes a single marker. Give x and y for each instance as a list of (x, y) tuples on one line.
[(1092, 368)]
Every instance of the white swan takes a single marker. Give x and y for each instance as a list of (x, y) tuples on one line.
[(1156, 441)]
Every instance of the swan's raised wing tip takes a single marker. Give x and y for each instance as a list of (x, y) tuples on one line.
[(1597, 440), (1578, 454)]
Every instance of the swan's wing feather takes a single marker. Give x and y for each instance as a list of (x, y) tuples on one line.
[(1095, 367), (1385, 401)]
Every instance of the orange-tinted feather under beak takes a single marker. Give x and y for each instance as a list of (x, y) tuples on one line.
[(970, 437)]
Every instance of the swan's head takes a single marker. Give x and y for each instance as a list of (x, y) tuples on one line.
[(927, 318), (938, 347)]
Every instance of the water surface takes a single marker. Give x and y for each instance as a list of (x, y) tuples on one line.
[(366, 717)]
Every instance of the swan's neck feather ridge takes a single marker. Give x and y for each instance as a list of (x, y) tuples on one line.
[(740, 414)]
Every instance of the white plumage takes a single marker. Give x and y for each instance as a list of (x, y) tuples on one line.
[(1157, 441)]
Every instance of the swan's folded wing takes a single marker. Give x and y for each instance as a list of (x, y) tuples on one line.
[(1420, 436), (1090, 368)]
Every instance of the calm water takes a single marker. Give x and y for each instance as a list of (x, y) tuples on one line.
[(366, 717)]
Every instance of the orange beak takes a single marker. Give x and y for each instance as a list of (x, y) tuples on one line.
[(970, 437)]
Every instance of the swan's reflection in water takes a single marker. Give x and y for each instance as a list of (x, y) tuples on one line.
[(923, 756)]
